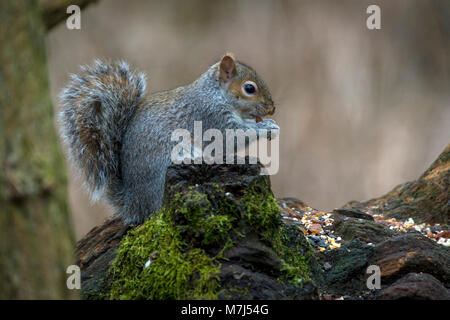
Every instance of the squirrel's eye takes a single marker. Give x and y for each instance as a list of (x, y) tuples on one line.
[(249, 88)]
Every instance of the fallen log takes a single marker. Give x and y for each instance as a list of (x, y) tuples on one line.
[(222, 232)]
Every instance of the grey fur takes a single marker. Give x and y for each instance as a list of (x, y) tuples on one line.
[(121, 141)]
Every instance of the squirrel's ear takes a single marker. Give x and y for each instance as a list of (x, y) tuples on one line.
[(227, 69)]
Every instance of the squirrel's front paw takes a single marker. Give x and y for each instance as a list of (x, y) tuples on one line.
[(271, 126)]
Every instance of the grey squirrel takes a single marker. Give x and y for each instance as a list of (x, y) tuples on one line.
[(120, 139)]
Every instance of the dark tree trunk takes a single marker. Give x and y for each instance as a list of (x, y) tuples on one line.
[(36, 238)]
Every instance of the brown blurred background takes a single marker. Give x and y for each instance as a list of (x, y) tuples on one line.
[(360, 110)]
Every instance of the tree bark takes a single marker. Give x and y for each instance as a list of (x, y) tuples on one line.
[(36, 238), (425, 199)]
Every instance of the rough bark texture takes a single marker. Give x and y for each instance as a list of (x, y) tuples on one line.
[(36, 240), (210, 212), (417, 286), (403, 256), (426, 199)]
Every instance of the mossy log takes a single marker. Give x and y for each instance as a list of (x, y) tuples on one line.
[(219, 235), (426, 199)]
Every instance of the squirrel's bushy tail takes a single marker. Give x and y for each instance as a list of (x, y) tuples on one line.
[(96, 108)]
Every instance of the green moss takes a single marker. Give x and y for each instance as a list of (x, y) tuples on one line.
[(188, 237), (235, 293), (195, 218), (217, 229), (298, 256), (94, 295), (177, 271), (262, 211)]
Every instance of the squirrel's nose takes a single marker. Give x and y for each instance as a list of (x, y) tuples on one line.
[(272, 110)]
